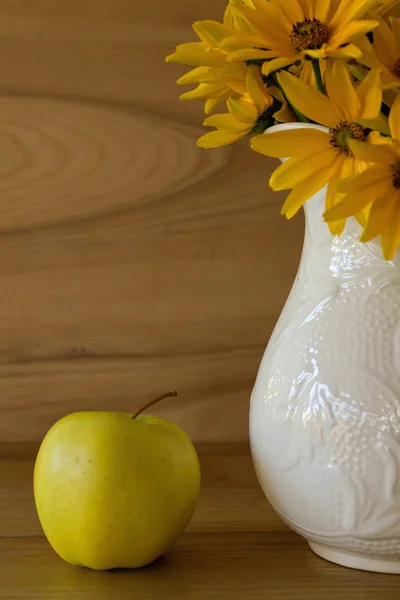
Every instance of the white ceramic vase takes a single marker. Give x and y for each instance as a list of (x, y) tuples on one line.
[(325, 409)]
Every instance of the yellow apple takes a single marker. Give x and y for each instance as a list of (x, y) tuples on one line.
[(115, 491)]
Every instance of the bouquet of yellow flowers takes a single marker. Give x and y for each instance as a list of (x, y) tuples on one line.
[(333, 65)]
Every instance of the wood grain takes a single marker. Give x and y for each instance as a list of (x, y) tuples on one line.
[(236, 547), (131, 262)]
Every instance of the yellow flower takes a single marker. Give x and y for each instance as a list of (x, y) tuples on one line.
[(286, 31), (320, 157), (377, 188), (243, 116), (217, 80), (384, 53)]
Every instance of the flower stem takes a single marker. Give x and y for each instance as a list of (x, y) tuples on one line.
[(318, 76)]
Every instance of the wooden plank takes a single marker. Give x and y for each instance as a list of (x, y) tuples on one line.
[(131, 262), (254, 566)]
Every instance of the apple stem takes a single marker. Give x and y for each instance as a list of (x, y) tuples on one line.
[(155, 401)]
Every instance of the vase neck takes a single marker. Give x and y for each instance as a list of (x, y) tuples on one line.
[(343, 256)]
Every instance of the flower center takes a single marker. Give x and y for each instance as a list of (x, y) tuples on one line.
[(396, 69), (343, 133), (396, 174), (309, 34)]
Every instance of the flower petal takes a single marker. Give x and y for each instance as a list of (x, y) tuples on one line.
[(347, 51), (259, 95), (193, 76), (288, 14), (275, 64), (361, 182), (344, 168), (370, 94), (369, 57), (227, 122), (238, 42), (243, 111), (212, 103), (394, 119), (378, 217), (383, 154), (285, 114), (299, 168), (203, 90), (235, 19), (385, 42), (350, 31), (267, 27), (196, 54), (378, 139), (286, 144), (211, 32), (317, 9), (265, 19), (391, 237), (309, 101), (214, 139), (380, 123), (250, 54), (386, 6), (352, 204), (341, 90), (304, 190), (395, 23), (350, 10)]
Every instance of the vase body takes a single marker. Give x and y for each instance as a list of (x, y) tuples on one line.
[(325, 409)]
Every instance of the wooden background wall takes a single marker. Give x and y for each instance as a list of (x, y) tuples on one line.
[(131, 262)]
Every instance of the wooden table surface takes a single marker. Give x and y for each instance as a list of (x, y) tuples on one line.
[(235, 547)]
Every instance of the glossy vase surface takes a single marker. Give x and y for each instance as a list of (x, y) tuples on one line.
[(325, 409)]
